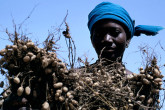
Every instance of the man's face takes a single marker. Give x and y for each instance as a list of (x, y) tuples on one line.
[(109, 39)]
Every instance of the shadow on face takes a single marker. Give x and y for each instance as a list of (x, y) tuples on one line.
[(109, 38)]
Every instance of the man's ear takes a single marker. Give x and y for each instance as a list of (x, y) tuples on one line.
[(127, 43)]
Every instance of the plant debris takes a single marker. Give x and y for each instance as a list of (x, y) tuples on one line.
[(42, 79)]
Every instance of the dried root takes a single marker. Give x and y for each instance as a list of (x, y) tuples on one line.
[(36, 74), (147, 86), (109, 87)]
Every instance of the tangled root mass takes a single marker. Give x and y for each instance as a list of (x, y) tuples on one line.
[(40, 77)]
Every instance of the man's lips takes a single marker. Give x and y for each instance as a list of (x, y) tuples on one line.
[(109, 49)]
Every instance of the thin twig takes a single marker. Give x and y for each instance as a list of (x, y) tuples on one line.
[(104, 100), (28, 16)]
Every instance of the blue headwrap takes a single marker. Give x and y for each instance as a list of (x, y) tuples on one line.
[(107, 10)]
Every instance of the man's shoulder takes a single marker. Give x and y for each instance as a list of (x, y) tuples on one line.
[(128, 72)]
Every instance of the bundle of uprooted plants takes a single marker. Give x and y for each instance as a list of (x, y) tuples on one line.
[(39, 76), (109, 87)]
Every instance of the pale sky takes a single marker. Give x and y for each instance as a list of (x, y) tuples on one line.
[(48, 15)]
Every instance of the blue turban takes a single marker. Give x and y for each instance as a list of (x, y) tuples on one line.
[(107, 10)]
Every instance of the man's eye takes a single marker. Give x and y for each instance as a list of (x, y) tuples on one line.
[(100, 33), (115, 33)]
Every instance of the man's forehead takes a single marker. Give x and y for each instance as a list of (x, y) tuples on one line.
[(107, 21)]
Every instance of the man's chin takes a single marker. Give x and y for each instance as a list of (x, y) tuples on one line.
[(110, 57)]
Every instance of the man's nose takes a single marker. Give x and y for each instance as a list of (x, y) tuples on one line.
[(108, 38)]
